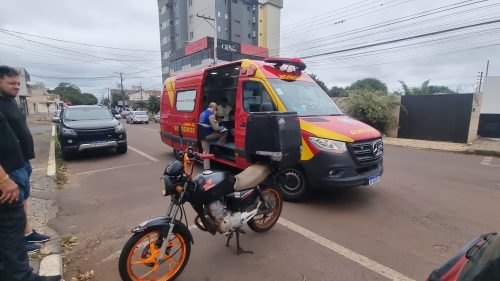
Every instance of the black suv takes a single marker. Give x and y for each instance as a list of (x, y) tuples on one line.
[(89, 127)]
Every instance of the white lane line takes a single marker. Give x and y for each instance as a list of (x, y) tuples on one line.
[(144, 154), (486, 161), (149, 129), (353, 256), (112, 168)]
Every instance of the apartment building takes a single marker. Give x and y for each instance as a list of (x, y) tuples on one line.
[(189, 30)]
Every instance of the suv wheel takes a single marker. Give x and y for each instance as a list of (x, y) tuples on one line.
[(121, 149), (295, 187)]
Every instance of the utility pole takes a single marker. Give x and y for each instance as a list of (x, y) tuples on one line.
[(215, 31), (121, 85), (480, 80), (140, 83), (487, 67)]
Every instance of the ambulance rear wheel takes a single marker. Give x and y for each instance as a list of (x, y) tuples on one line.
[(295, 187)]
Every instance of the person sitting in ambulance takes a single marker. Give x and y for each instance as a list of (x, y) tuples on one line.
[(223, 110), (212, 131)]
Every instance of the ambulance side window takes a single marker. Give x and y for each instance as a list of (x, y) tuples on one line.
[(185, 100), (256, 98)]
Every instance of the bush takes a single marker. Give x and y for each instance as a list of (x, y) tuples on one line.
[(372, 107)]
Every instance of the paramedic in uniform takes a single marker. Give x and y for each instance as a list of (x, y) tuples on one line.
[(212, 131)]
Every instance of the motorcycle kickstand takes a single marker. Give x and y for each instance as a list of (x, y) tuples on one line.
[(239, 250)]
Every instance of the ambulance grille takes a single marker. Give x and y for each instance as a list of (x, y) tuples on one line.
[(367, 151)]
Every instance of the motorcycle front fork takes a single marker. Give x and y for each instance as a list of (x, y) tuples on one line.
[(173, 209)]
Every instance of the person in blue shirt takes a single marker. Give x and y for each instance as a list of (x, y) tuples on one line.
[(213, 131)]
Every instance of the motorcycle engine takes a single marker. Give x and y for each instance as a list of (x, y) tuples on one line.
[(226, 220)]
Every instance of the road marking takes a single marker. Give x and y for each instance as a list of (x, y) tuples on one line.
[(353, 256), (487, 161), (51, 163), (144, 154), (112, 256), (112, 168), (149, 129)]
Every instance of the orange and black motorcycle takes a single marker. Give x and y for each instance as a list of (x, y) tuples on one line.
[(160, 247)]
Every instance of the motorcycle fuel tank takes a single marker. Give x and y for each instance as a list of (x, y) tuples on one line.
[(211, 186)]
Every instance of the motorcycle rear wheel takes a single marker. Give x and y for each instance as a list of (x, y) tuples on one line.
[(267, 217), (138, 263)]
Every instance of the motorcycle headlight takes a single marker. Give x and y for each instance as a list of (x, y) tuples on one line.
[(68, 132), (329, 145), (119, 129), (167, 186)]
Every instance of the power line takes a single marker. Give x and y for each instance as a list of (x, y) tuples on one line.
[(401, 39), (78, 43)]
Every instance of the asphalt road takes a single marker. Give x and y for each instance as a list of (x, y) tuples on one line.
[(427, 206)]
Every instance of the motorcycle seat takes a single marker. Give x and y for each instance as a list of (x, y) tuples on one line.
[(251, 177)]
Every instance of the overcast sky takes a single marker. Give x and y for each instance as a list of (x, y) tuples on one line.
[(308, 28)]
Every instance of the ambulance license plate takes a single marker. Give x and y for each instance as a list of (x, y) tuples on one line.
[(374, 179)]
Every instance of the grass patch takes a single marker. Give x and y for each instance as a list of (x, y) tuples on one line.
[(61, 169)]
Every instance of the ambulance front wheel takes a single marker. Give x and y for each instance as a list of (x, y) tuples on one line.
[(295, 186)]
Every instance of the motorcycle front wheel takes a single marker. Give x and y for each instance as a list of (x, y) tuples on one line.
[(139, 257), (269, 212)]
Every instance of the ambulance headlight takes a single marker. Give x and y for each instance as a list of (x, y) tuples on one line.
[(329, 145)]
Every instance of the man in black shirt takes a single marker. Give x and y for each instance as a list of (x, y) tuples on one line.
[(14, 263), (9, 89)]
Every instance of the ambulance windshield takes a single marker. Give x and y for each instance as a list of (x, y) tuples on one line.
[(305, 98)]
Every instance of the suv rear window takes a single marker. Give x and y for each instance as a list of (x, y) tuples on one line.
[(90, 113)]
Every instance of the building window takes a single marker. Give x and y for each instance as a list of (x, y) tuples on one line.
[(218, 14), (163, 10), (190, 18), (237, 36), (177, 37), (225, 16), (171, 22), (190, 2), (176, 20), (163, 25), (172, 38), (235, 1), (164, 40), (237, 21), (218, 28), (248, 8), (191, 35), (175, 4)]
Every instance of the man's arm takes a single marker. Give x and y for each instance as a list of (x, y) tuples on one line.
[(8, 188), (214, 123)]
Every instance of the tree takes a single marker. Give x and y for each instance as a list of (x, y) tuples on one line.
[(319, 82), (372, 84), (425, 89), (337, 92), (372, 107), (154, 104), (106, 102), (117, 97), (140, 104), (70, 93)]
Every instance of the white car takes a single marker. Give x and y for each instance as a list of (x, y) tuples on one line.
[(138, 117), (157, 117)]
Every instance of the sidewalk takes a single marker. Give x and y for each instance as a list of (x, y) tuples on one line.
[(41, 203), (482, 146)]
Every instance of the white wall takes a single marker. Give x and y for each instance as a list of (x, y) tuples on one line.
[(491, 95)]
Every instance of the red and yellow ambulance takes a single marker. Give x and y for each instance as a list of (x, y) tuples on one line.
[(337, 150)]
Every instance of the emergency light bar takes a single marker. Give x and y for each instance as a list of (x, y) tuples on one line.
[(297, 64)]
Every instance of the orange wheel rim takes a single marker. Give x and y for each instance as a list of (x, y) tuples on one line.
[(271, 197), (142, 263)]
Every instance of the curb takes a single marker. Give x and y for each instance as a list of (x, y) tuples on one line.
[(51, 165), (51, 264)]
